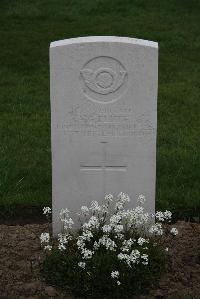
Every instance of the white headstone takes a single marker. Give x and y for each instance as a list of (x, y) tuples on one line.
[(104, 112)]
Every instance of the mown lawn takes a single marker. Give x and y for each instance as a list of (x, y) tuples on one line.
[(26, 30)]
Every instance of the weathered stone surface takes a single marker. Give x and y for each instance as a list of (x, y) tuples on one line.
[(103, 107)]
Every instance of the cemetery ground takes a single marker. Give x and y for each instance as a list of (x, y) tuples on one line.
[(21, 253), (25, 165)]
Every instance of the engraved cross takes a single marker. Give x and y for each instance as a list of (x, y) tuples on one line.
[(104, 166)]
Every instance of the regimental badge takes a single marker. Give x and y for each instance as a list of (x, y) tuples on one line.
[(103, 79)]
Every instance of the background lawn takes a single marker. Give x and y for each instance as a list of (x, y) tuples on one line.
[(26, 30)]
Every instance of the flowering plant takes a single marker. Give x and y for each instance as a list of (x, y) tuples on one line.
[(116, 253)]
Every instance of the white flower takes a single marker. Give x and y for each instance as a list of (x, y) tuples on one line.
[(91, 224), (156, 229), (136, 217), (118, 228), (144, 258), (63, 240), (119, 205), (115, 274), (115, 219), (64, 213), (84, 209), (141, 199), (174, 231), (82, 265), (87, 235), (109, 197), (166, 249), (95, 206), (108, 243), (122, 256), (61, 247), (123, 197), (46, 210), (104, 208), (48, 247), (132, 258), (68, 223), (118, 283), (64, 217), (168, 215), (106, 228), (87, 254), (135, 254), (127, 245), (129, 242), (80, 243), (44, 238), (141, 241), (96, 246), (119, 236), (160, 216)]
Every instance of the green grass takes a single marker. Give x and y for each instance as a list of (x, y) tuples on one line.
[(26, 30)]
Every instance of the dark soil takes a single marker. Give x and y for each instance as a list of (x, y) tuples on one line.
[(21, 254)]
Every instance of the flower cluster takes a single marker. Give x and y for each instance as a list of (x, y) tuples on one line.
[(162, 216), (45, 239), (46, 211), (115, 275), (174, 231), (156, 229), (65, 219), (110, 228)]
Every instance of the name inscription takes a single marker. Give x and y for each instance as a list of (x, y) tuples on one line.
[(119, 120)]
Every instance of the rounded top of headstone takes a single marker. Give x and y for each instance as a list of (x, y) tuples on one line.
[(106, 39)]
